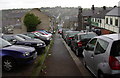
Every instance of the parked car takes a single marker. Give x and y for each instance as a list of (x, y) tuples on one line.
[(17, 40), (63, 32), (37, 36), (29, 38), (13, 55), (80, 40), (60, 31), (102, 56), (70, 36), (45, 32)]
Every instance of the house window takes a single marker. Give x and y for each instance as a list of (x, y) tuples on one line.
[(116, 22), (106, 20), (95, 20), (100, 21), (111, 21)]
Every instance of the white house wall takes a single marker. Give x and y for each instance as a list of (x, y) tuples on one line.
[(112, 27)]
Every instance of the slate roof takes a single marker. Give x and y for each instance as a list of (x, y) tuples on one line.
[(100, 14), (73, 19), (114, 12), (89, 12)]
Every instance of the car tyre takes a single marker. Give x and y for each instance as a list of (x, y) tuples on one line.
[(8, 64), (84, 63), (101, 75)]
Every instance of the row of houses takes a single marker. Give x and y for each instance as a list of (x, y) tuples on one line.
[(13, 20), (106, 19)]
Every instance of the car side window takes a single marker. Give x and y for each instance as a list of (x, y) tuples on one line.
[(91, 45), (101, 46), (76, 37)]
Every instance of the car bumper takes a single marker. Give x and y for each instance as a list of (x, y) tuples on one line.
[(27, 60), (112, 76)]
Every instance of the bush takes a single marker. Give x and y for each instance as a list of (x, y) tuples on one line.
[(31, 21)]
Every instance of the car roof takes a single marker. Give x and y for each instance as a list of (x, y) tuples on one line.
[(113, 37), (85, 33)]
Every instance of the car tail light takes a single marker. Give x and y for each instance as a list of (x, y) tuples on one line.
[(114, 63), (80, 44), (70, 38)]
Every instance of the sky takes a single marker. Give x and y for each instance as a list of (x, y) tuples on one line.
[(10, 4)]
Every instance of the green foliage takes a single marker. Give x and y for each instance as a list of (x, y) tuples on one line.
[(31, 21)]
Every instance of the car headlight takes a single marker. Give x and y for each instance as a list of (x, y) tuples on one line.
[(39, 44), (47, 38), (26, 54)]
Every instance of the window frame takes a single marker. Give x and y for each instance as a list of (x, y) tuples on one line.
[(100, 52)]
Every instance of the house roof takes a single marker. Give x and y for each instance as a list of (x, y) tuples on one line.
[(100, 14), (114, 12), (73, 19), (89, 12)]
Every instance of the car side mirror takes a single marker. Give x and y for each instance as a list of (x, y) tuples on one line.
[(13, 41)]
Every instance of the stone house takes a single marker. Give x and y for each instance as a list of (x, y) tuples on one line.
[(45, 20)]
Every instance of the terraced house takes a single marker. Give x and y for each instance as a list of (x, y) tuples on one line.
[(112, 20), (107, 20)]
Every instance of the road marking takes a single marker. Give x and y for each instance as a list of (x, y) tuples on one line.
[(77, 61)]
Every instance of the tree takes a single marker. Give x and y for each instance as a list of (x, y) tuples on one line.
[(31, 21)]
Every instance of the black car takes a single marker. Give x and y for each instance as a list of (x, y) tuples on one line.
[(80, 40), (17, 40), (32, 35), (70, 36)]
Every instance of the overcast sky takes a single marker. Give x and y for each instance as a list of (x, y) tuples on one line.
[(10, 4)]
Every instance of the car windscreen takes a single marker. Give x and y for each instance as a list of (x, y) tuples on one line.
[(30, 35), (7, 37), (115, 49), (4, 43), (24, 36), (19, 38)]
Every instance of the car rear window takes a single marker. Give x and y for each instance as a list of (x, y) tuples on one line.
[(115, 49)]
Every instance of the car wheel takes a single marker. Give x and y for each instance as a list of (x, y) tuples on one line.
[(8, 64), (84, 63), (101, 75)]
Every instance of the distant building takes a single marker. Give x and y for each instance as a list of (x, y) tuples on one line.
[(45, 20), (86, 15), (112, 20), (84, 18), (98, 20), (73, 23), (11, 20), (107, 20)]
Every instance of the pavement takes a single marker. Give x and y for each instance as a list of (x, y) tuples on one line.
[(60, 62)]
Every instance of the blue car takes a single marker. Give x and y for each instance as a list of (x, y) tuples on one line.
[(13, 55)]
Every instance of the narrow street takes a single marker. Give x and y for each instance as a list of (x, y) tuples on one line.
[(60, 63)]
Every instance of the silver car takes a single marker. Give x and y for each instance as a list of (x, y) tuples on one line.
[(102, 56)]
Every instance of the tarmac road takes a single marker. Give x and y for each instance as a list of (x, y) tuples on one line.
[(60, 63)]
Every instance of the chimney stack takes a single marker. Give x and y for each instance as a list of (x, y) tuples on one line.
[(93, 8), (80, 10), (104, 7)]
